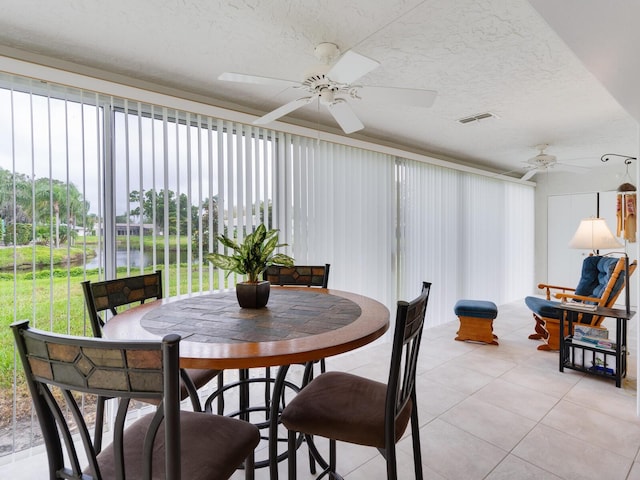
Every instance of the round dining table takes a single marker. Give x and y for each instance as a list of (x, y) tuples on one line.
[(298, 325)]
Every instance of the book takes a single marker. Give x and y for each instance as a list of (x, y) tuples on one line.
[(587, 307), (592, 337), (599, 366), (594, 361), (601, 369), (605, 344), (587, 331)]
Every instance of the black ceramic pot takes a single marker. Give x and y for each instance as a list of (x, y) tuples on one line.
[(253, 295)]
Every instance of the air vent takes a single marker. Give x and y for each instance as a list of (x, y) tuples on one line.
[(477, 118)]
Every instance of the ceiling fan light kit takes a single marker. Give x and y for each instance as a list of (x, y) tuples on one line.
[(333, 85), (326, 52), (543, 162)]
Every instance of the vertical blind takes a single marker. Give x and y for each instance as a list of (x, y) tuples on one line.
[(342, 213), (137, 187), (472, 236), (187, 177)]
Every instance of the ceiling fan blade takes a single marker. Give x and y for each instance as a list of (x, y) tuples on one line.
[(282, 111), (529, 174), (412, 97), (345, 116), (351, 66), (256, 80)]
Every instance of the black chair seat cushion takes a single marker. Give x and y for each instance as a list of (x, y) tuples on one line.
[(212, 447), (343, 407)]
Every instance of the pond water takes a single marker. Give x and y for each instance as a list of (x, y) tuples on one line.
[(136, 259)]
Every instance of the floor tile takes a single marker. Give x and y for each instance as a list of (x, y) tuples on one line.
[(517, 399), (456, 454), (635, 472), (436, 398), (571, 458), (375, 468), (459, 378), (488, 422), (485, 412), (553, 383), (596, 428), (514, 468), (486, 361), (601, 394)]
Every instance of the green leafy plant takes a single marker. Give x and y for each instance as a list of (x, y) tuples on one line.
[(253, 256)]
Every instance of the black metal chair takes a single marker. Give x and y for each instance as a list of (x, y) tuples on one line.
[(112, 294), (299, 275), (345, 407), (165, 444)]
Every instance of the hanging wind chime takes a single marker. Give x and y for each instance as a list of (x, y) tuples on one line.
[(626, 207)]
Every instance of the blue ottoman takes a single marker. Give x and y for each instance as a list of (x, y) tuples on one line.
[(476, 321)]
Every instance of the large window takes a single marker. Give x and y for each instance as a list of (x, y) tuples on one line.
[(93, 186), (177, 179), (473, 234)]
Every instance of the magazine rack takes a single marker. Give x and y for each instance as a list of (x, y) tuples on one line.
[(604, 362)]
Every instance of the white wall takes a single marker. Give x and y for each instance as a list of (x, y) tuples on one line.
[(603, 178)]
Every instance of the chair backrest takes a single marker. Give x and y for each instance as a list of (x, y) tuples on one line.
[(404, 357), (111, 294), (301, 275), (617, 282), (603, 278), (59, 367)]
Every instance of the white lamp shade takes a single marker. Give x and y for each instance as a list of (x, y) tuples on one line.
[(594, 234)]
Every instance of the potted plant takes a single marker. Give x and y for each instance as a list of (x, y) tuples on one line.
[(251, 258)]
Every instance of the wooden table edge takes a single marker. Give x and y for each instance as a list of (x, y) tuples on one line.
[(371, 325)]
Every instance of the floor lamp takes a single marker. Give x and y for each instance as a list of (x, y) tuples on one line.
[(594, 234)]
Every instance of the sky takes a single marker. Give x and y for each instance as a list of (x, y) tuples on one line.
[(44, 136)]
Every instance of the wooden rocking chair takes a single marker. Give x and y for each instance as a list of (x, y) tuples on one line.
[(600, 284)]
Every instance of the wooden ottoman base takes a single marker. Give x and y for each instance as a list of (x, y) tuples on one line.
[(476, 329)]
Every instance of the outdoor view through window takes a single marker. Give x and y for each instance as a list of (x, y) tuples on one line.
[(163, 170)]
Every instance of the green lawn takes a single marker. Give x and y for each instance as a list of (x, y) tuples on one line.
[(54, 300), (53, 303)]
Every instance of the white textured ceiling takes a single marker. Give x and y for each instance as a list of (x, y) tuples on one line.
[(480, 55)]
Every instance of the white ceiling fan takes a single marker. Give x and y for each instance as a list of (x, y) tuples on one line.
[(543, 162), (332, 84)]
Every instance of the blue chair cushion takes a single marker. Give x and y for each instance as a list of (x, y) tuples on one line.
[(476, 308), (543, 307), (589, 276), (548, 309), (606, 265), (596, 272)]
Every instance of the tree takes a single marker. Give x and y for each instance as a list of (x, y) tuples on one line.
[(205, 233), (14, 210), (63, 200), (152, 210), (76, 209)]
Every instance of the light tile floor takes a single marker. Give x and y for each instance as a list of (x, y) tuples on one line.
[(489, 412)]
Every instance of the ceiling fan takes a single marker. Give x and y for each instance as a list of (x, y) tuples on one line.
[(543, 162), (332, 84)]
